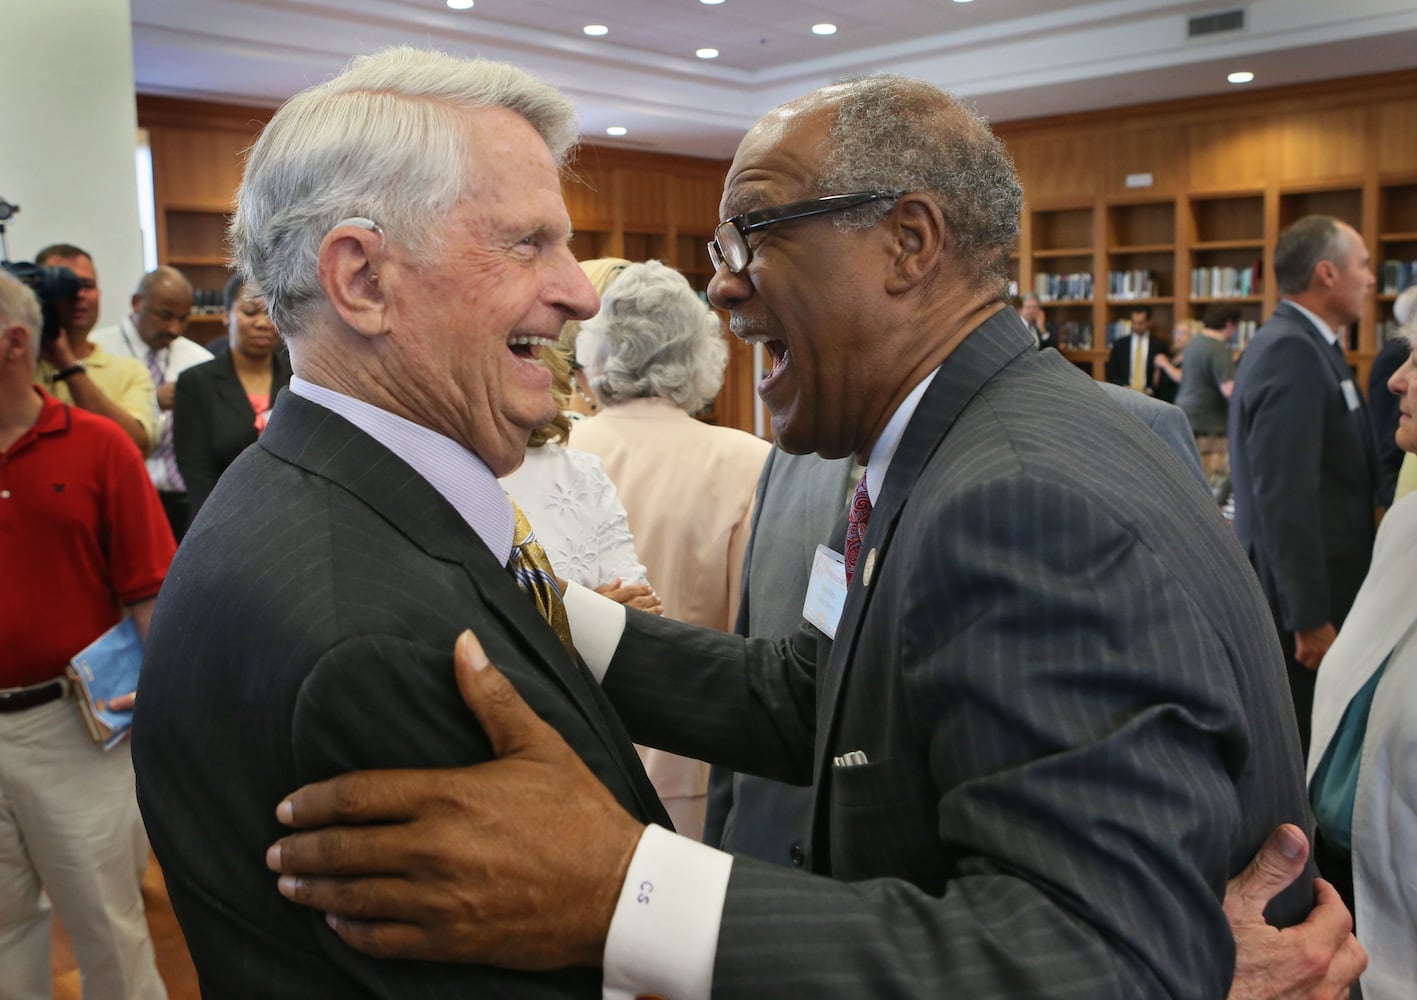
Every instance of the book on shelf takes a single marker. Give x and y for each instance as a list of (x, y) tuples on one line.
[(103, 670), (1053, 287), (1396, 275), (1226, 282), (1133, 284), (1244, 330)]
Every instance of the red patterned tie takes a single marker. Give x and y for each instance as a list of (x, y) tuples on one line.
[(856, 520)]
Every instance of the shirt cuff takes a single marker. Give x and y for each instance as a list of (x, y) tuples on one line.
[(664, 935), (597, 623)]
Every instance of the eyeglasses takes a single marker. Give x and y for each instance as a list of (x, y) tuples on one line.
[(729, 246)]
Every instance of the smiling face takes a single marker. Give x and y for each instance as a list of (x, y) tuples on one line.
[(809, 294), (1403, 384), (465, 326)]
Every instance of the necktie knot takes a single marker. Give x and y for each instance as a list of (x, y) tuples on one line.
[(857, 518)]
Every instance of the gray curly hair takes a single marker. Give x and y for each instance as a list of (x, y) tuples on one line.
[(385, 140), (653, 336), (893, 133)]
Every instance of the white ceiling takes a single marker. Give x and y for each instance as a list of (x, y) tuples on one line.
[(1012, 58)]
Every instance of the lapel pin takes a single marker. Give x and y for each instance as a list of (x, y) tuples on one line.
[(870, 568)]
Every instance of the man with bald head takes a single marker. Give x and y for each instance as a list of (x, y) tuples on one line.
[(1052, 721), (154, 335)]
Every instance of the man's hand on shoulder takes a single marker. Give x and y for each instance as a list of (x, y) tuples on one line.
[(1311, 645), (517, 862), (1319, 959)]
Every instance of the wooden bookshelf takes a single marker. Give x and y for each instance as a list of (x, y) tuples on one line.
[(1395, 262)]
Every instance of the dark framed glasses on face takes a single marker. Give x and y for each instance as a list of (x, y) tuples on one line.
[(729, 246)]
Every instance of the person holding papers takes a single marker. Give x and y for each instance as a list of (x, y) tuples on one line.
[(82, 535)]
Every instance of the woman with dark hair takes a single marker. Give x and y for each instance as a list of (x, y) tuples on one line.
[(222, 404)]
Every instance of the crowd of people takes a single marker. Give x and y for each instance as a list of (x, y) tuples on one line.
[(481, 665)]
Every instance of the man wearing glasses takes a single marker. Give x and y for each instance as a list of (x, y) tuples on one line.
[(1045, 734)]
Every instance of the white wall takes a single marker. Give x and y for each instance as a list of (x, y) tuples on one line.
[(68, 136)]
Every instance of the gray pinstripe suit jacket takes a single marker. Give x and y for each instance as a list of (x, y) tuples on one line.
[(1066, 684), (305, 629)]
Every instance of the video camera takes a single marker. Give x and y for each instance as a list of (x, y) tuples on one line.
[(51, 285)]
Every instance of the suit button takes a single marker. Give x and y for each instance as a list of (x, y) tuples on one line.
[(796, 855)]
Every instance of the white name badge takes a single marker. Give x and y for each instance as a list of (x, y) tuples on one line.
[(826, 591), (1350, 395)]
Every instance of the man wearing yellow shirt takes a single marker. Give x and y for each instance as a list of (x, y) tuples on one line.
[(79, 372)]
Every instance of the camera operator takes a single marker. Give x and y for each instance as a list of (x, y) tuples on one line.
[(153, 334), (81, 533), (75, 370)]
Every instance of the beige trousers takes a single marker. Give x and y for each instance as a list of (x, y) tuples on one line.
[(70, 832)]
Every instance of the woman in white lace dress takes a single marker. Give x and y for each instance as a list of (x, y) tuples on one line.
[(574, 509)]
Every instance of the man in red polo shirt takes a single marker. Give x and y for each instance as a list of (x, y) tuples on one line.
[(82, 535)]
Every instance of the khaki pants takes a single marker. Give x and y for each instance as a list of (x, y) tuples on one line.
[(70, 832)]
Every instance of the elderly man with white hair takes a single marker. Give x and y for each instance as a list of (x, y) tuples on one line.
[(655, 355), (404, 222)]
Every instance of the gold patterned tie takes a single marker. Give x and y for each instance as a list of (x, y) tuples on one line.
[(1138, 364), (533, 574)]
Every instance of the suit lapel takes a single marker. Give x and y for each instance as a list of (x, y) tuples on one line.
[(226, 386), (325, 444), (977, 359)]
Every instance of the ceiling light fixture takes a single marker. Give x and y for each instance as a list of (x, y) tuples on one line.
[(964, 1), (707, 53), (824, 29), (596, 29), (460, 4), (1241, 76), (617, 130), (711, 3)]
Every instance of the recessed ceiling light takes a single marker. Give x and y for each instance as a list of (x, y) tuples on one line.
[(707, 53), (596, 29), (711, 3), (617, 130), (460, 4), (824, 29), (964, 1), (1241, 76)]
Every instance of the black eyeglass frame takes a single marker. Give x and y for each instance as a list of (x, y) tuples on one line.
[(751, 222)]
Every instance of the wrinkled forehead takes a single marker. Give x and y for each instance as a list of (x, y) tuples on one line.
[(780, 158)]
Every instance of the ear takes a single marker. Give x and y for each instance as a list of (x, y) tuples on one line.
[(14, 343), (920, 240), (137, 302), (349, 261)]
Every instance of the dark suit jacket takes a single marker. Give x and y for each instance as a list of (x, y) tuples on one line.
[(212, 421), (1302, 466), (1119, 362), (1061, 672), (305, 630), (799, 500)]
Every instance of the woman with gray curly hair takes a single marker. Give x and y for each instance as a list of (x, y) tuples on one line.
[(655, 355)]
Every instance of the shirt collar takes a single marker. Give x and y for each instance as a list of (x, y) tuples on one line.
[(884, 449), (1319, 324), (458, 475)]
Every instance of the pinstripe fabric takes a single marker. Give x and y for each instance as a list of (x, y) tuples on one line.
[(1071, 701), (306, 629)]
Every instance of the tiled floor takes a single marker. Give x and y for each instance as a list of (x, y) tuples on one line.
[(172, 960)]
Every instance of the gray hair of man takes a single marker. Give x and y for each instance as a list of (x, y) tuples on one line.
[(19, 305), (1312, 239), (653, 336), (384, 140), (893, 133)]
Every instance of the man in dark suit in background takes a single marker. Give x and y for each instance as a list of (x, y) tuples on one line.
[(308, 622), (1302, 459), (1132, 362), (1053, 720)]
